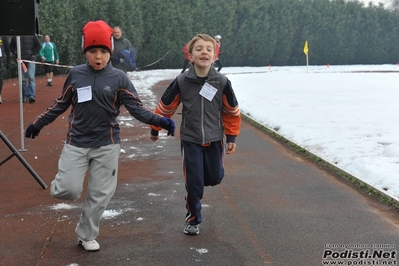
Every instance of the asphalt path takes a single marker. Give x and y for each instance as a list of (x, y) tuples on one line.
[(274, 207)]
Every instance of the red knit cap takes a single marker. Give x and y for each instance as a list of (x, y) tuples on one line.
[(97, 34)]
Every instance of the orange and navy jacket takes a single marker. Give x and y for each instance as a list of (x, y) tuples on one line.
[(92, 121), (203, 120)]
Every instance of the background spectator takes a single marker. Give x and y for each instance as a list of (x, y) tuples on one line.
[(120, 43), (5, 60), (30, 46), (186, 57), (218, 53), (49, 54)]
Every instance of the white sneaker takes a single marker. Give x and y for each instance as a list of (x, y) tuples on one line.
[(91, 245)]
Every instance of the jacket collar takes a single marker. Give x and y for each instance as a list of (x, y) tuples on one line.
[(190, 73)]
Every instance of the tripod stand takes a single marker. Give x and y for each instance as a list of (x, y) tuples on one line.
[(21, 159)]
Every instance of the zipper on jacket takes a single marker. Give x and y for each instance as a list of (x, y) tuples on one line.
[(202, 120), (203, 116)]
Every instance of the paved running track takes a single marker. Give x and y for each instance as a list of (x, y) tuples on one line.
[(273, 207)]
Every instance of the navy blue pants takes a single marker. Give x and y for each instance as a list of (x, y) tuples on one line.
[(202, 166)]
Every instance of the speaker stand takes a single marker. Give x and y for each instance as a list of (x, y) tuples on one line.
[(21, 159)]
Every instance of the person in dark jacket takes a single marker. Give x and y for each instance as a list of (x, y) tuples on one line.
[(210, 118), (30, 47), (94, 92), (120, 43), (5, 60)]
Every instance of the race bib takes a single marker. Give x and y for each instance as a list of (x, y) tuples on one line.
[(84, 94), (208, 91)]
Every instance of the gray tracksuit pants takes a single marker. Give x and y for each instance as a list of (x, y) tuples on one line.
[(102, 162)]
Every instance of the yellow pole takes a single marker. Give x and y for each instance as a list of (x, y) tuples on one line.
[(306, 51)]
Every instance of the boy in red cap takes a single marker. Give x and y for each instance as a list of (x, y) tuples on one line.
[(94, 91)]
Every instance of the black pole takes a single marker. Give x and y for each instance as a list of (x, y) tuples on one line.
[(21, 159)]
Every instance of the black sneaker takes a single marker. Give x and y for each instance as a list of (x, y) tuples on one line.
[(32, 99), (190, 229), (49, 83)]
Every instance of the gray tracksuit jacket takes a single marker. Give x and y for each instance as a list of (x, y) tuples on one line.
[(95, 98)]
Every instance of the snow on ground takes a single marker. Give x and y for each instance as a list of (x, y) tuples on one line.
[(347, 115)]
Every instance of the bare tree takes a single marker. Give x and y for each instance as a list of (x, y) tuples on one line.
[(395, 5)]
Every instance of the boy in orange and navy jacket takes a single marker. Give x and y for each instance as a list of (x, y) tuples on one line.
[(210, 112)]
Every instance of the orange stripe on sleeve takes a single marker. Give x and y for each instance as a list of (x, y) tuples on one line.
[(166, 110), (231, 118)]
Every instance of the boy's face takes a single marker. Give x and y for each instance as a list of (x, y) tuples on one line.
[(203, 54), (97, 57)]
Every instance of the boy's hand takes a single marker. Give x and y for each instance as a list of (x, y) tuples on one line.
[(153, 135), (231, 147), (32, 131), (153, 138), (168, 124)]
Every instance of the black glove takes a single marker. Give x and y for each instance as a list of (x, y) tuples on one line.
[(168, 124), (32, 131)]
